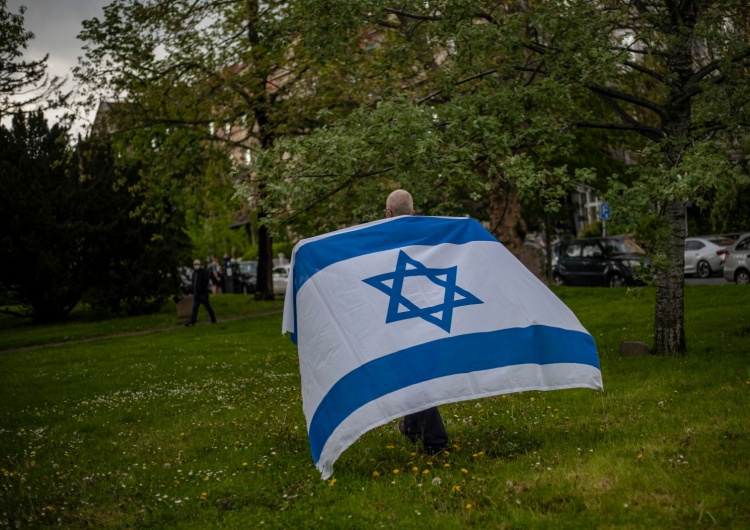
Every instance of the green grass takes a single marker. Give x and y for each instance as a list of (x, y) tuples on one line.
[(203, 427), (83, 324)]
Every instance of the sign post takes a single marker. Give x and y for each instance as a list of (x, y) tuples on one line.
[(605, 214)]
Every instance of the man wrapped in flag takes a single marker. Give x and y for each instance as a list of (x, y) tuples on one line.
[(395, 317)]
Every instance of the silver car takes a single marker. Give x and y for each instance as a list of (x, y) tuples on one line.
[(704, 256), (280, 275), (737, 266)]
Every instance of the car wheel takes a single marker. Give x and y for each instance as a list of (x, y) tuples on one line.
[(557, 279), (704, 269), (742, 277), (616, 280)]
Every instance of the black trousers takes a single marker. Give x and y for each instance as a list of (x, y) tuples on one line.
[(428, 425), (199, 299)]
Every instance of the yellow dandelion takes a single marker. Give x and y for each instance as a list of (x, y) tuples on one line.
[(468, 506), (456, 489), (333, 481), (446, 465), (395, 471), (640, 455), (244, 464), (375, 474), (389, 446), (426, 472), (533, 399), (464, 470), (429, 463), (503, 397), (182, 434), (415, 469)]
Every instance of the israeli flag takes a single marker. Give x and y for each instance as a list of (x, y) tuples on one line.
[(398, 315)]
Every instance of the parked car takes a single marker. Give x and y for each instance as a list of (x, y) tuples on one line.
[(608, 261), (248, 274), (704, 256), (235, 282), (280, 275), (737, 264)]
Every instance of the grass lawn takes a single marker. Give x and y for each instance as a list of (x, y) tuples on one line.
[(203, 428)]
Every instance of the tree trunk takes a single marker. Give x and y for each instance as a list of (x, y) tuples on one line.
[(506, 222), (264, 287), (669, 321)]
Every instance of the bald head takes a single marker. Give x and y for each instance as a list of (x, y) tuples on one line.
[(398, 203)]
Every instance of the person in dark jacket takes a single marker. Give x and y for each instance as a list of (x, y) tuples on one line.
[(426, 425), (201, 288)]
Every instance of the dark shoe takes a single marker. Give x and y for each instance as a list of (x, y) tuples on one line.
[(434, 451), (410, 435)]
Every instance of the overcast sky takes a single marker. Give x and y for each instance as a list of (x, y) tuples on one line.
[(56, 24)]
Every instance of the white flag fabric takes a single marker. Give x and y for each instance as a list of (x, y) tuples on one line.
[(398, 315)]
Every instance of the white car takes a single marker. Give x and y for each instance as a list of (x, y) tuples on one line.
[(280, 275), (704, 256), (737, 266)]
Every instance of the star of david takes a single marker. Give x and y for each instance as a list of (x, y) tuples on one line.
[(401, 308)]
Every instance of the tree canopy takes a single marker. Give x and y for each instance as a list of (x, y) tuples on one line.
[(500, 92), (23, 84), (202, 87), (326, 105)]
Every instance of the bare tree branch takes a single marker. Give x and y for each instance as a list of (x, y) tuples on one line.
[(629, 98), (644, 70), (648, 132), (458, 83), (406, 14)]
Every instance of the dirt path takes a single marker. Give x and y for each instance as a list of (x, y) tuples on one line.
[(132, 333)]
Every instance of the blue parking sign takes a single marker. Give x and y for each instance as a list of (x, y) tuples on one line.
[(604, 212)]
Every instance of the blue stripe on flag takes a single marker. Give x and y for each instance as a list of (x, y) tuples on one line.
[(454, 355), (400, 232)]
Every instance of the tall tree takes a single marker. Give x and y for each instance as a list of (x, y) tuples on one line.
[(68, 232), (23, 84), (508, 89), (131, 266), (204, 86), (42, 274), (444, 111)]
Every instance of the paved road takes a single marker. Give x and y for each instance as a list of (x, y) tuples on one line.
[(713, 280)]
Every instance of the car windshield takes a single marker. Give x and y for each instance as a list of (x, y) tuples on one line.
[(622, 246)]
